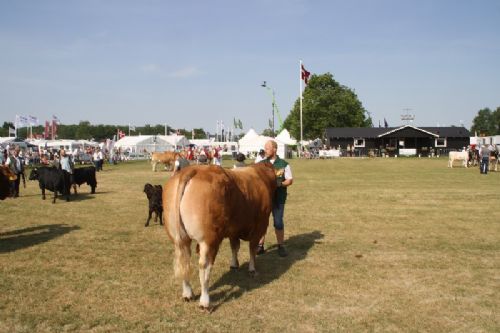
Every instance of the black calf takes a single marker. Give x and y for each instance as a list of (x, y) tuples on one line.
[(154, 194), (85, 175)]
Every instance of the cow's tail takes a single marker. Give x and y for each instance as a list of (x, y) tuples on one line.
[(182, 261)]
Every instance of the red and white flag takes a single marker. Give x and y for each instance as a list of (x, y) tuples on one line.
[(121, 134), (304, 74)]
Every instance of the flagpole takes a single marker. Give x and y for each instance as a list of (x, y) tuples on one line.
[(300, 103)]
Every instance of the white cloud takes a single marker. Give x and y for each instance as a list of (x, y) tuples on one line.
[(150, 68), (186, 72)]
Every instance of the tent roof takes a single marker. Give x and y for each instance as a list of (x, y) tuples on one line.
[(285, 137), (175, 140), (249, 136)]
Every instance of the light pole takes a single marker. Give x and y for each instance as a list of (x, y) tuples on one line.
[(271, 91)]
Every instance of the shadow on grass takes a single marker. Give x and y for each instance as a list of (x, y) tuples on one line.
[(19, 239), (81, 196), (269, 267)]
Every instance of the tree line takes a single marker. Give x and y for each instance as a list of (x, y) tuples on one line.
[(326, 103), (84, 130), (486, 122)]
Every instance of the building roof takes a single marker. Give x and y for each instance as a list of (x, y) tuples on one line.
[(374, 132)]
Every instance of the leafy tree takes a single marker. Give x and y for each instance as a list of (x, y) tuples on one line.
[(486, 122), (325, 104), (496, 120), (4, 131), (83, 131), (269, 132)]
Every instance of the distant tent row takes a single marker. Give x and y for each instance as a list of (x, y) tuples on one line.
[(151, 143), (252, 142)]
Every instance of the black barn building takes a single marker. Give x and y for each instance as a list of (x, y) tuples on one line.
[(404, 140)]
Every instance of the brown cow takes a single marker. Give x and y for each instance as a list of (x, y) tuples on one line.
[(6, 175), (166, 157), (208, 204)]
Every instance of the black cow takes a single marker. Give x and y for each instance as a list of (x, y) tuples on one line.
[(5, 176), (154, 194), (52, 179), (84, 175)]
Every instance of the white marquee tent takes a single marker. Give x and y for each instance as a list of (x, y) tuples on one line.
[(178, 141), (143, 144), (252, 142), (285, 137)]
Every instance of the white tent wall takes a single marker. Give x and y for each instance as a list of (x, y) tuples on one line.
[(143, 144), (178, 141), (252, 143), (68, 145)]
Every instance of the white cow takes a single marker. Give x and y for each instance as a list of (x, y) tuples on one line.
[(458, 155)]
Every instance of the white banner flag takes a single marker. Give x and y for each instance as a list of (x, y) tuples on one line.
[(33, 120), (21, 121)]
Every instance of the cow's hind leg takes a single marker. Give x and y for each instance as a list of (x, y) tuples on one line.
[(235, 247), (206, 261), (252, 247), (149, 218), (182, 267)]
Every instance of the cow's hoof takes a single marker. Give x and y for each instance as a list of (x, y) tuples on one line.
[(147, 224), (207, 309), (234, 267), (187, 299), (253, 273)]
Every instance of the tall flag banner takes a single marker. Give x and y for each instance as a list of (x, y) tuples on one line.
[(54, 128), (12, 131), (55, 119), (240, 124), (304, 74), (385, 123), (46, 132), (235, 123), (131, 127)]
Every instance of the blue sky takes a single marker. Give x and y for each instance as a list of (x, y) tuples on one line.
[(191, 63)]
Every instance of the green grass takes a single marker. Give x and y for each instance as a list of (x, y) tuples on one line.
[(387, 245)]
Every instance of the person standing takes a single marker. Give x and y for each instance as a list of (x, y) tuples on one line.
[(484, 154), (67, 165), (180, 162), (240, 161), (260, 156), (283, 180), (217, 156), (16, 165)]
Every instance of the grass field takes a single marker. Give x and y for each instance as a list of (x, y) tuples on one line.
[(377, 245)]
